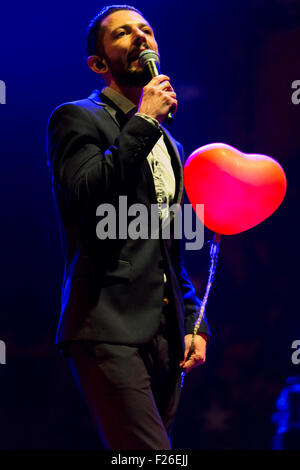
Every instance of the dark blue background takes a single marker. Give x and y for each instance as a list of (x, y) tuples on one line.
[(232, 64)]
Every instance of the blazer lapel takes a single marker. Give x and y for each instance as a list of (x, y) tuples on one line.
[(114, 112), (176, 165)]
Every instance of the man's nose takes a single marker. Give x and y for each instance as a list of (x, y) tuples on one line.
[(140, 36)]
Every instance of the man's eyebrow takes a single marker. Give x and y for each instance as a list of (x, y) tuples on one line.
[(127, 26)]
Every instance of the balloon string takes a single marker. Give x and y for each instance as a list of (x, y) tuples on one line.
[(214, 251)]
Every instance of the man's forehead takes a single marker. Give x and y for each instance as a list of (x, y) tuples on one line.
[(122, 17)]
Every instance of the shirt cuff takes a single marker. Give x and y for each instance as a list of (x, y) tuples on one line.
[(148, 118)]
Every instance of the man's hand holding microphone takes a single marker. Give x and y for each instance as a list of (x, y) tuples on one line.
[(158, 99)]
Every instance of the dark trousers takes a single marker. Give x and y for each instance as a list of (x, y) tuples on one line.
[(132, 392)]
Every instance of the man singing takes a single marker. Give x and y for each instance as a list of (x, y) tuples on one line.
[(128, 307)]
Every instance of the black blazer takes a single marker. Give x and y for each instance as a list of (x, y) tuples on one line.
[(113, 289)]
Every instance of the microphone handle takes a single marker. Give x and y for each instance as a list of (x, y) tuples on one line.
[(154, 71)]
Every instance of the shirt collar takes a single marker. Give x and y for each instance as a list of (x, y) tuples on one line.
[(123, 103)]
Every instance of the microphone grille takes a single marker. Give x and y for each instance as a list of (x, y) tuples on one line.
[(148, 55)]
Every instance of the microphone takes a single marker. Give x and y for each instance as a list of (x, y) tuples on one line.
[(150, 60)]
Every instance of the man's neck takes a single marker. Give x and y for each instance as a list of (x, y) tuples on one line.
[(131, 93)]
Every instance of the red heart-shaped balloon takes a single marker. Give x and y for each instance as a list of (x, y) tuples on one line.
[(238, 190)]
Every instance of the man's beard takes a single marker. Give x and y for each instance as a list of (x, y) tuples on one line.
[(130, 76)]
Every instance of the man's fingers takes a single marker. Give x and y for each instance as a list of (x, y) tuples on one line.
[(166, 86), (163, 82), (192, 362), (160, 79), (185, 356), (186, 353)]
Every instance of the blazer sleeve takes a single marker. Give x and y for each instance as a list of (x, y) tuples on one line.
[(86, 171)]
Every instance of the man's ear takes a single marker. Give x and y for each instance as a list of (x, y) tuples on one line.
[(96, 64)]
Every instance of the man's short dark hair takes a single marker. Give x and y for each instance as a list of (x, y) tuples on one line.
[(95, 32)]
